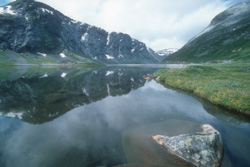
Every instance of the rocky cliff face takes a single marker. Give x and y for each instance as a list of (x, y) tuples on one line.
[(226, 38), (34, 27)]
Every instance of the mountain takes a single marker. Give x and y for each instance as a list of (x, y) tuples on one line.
[(32, 29), (226, 38), (166, 52)]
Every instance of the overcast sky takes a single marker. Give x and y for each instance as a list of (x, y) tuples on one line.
[(159, 23)]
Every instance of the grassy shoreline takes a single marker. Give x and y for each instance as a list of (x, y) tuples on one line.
[(226, 85)]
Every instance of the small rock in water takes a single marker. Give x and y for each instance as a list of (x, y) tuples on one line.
[(201, 149), (158, 79)]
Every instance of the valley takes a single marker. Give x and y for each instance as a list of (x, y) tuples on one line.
[(74, 94)]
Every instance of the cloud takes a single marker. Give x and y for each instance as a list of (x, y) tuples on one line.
[(159, 23)]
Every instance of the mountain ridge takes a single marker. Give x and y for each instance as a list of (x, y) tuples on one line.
[(227, 38), (35, 27)]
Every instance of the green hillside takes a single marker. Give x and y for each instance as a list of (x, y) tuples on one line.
[(226, 38)]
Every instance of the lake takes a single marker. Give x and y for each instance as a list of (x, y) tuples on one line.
[(75, 117)]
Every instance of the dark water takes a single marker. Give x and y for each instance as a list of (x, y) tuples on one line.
[(82, 118)]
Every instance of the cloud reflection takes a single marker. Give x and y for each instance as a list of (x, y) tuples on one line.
[(94, 130)]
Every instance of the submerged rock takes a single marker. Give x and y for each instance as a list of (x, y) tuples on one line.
[(141, 151), (201, 149)]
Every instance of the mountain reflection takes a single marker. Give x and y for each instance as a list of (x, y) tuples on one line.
[(43, 96), (111, 114)]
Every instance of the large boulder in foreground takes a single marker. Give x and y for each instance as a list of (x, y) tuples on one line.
[(201, 149)]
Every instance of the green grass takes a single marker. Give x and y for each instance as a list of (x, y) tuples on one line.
[(227, 85), (13, 58)]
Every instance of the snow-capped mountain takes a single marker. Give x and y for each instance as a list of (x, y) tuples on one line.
[(28, 26), (226, 38), (166, 52)]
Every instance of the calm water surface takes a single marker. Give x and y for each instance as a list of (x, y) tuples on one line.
[(101, 117)]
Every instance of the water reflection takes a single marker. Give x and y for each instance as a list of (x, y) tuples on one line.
[(38, 98), (99, 109)]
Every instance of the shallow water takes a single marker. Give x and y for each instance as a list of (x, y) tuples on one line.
[(83, 117)]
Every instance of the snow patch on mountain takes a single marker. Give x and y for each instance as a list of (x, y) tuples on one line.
[(83, 38), (108, 39), (48, 11), (109, 57), (62, 55), (7, 10)]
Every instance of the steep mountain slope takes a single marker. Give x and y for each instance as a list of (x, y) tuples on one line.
[(226, 38), (32, 27)]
